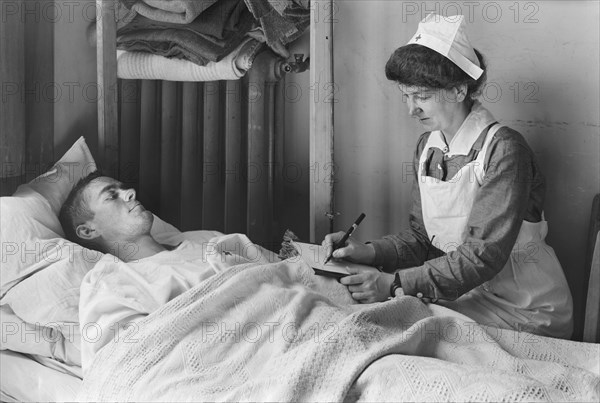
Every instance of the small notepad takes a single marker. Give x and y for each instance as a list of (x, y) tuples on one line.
[(315, 256)]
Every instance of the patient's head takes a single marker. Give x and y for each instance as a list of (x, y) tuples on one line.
[(100, 212)]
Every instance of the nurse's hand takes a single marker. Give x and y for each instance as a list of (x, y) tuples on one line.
[(368, 285), (353, 251)]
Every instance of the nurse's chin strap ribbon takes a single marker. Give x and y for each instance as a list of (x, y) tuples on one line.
[(448, 37)]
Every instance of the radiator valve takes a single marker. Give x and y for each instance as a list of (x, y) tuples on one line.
[(298, 66)]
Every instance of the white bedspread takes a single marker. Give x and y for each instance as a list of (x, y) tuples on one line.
[(275, 332)]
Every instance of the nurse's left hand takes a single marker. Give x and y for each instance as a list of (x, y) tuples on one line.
[(368, 285)]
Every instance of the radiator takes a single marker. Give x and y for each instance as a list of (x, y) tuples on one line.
[(205, 155)]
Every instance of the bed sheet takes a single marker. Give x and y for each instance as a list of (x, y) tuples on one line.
[(24, 378), (276, 332)]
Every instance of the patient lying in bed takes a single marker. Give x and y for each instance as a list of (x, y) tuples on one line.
[(138, 274), (115, 295)]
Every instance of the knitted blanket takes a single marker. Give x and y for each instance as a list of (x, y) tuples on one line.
[(276, 332)]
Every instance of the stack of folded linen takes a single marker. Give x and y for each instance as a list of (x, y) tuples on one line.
[(202, 40), (147, 66)]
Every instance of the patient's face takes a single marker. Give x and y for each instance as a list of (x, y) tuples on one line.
[(118, 216)]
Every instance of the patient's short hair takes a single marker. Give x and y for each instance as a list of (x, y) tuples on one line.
[(76, 211)]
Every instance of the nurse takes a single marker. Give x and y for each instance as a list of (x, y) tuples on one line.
[(476, 238)]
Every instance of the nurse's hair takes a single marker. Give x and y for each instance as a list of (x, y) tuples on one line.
[(419, 66), (75, 211)]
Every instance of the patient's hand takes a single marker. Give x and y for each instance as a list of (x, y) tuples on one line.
[(353, 251), (368, 285)]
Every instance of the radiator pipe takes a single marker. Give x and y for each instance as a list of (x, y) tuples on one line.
[(268, 67), (265, 136)]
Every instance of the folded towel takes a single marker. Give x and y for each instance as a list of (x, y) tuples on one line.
[(210, 37), (282, 21), (176, 11), (147, 66)]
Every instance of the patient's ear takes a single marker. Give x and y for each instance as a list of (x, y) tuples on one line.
[(86, 231)]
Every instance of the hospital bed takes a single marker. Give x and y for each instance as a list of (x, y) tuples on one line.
[(264, 329)]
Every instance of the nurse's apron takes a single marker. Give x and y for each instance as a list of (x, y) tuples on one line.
[(530, 293)]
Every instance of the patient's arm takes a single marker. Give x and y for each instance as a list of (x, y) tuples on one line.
[(111, 303), (105, 318)]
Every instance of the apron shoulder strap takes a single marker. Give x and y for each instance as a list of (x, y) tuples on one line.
[(480, 160)]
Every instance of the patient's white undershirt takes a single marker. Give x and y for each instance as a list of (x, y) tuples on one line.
[(115, 295)]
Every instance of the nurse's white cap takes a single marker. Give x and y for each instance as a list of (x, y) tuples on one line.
[(448, 37)]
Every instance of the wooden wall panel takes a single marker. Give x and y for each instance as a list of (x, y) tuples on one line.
[(321, 118), (40, 99), (12, 105)]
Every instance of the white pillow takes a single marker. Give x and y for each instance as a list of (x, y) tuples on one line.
[(31, 233), (56, 184)]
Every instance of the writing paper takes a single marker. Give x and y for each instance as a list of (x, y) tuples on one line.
[(315, 256)]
